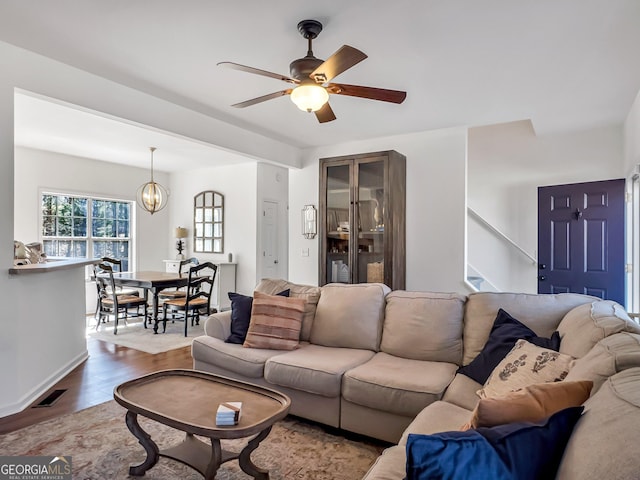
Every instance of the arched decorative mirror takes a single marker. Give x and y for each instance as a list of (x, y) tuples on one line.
[(208, 222)]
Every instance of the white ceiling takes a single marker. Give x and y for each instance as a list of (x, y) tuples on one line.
[(564, 64), (47, 125)]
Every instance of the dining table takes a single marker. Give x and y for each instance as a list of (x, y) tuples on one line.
[(151, 281)]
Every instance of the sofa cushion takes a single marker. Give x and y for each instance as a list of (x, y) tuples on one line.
[(586, 325), (607, 357), (438, 417), (526, 365), (523, 451), (314, 368), (604, 441), (506, 331), (423, 326), (311, 295), (388, 466), (462, 392), (541, 313), (397, 385), (529, 404), (248, 362), (241, 315), (275, 322), (350, 316)]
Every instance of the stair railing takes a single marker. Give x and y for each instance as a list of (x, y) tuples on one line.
[(501, 235)]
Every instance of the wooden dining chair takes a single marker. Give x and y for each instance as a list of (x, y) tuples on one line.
[(198, 296), (116, 266), (111, 302), (183, 269)]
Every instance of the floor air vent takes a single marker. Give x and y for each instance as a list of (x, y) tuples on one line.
[(50, 399)]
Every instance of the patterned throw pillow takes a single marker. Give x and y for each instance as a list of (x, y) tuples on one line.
[(526, 364), (241, 315), (275, 322), (506, 331)]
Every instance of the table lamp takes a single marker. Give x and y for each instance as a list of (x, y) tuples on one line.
[(180, 234)]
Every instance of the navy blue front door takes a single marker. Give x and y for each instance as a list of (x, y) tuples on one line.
[(581, 239)]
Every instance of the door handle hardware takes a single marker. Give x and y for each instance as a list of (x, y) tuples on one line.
[(577, 214), (542, 278), (542, 266)]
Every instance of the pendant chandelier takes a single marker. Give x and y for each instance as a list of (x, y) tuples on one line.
[(152, 196)]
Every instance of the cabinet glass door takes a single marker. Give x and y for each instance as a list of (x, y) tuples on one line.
[(370, 217), (338, 227)]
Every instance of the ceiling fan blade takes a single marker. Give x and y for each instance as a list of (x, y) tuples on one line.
[(325, 114), (345, 58), (382, 94), (261, 99), (257, 71)]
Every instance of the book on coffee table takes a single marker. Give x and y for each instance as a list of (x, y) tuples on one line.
[(228, 413)]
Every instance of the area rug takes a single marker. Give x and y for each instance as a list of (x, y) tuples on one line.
[(102, 447), (134, 335)]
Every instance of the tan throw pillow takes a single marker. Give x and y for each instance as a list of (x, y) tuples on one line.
[(526, 364), (275, 322), (530, 404)]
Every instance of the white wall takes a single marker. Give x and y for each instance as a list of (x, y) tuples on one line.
[(238, 185), (37, 170), (506, 164), (435, 214), (632, 137)]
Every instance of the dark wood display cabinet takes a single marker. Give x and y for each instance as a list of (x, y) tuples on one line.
[(362, 219)]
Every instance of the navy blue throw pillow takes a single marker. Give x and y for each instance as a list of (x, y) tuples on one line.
[(241, 315), (515, 451), (506, 331)]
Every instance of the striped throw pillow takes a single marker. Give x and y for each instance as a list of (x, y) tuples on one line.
[(275, 322)]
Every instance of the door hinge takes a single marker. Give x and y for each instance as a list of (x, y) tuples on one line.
[(628, 197), (628, 268)]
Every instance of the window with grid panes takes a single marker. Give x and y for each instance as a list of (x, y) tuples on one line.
[(82, 227)]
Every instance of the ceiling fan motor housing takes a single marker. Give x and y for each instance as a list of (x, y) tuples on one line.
[(301, 68)]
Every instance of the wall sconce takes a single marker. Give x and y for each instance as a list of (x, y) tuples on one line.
[(181, 233), (309, 221)]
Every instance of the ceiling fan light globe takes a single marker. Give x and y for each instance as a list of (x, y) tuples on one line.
[(309, 98)]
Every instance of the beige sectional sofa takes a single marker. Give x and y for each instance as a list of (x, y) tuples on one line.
[(384, 364)]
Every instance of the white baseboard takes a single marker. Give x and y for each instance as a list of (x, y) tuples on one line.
[(45, 385)]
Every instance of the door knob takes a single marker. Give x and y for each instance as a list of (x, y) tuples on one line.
[(542, 266), (542, 278)]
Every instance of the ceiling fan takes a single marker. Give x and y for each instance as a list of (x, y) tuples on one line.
[(312, 76)]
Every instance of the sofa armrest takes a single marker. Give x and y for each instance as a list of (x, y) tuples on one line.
[(218, 325)]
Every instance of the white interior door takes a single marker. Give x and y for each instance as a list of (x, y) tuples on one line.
[(269, 247)]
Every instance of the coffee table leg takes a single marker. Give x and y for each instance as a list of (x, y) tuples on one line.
[(144, 438), (216, 459), (244, 459)]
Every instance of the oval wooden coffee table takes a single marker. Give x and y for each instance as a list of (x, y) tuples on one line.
[(187, 400)]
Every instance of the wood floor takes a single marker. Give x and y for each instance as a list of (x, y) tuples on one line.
[(92, 382)]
